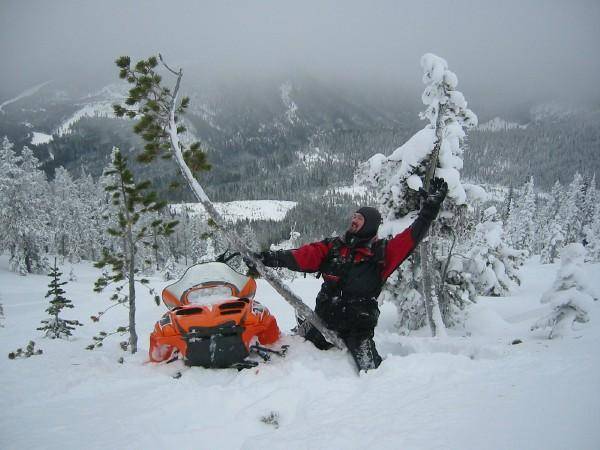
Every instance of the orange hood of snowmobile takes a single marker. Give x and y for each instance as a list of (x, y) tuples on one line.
[(228, 298)]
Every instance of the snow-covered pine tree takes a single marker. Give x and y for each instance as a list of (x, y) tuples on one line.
[(23, 214), (189, 243), (570, 296), (184, 235), (551, 226), (67, 217), (1, 314), (249, 238), (133, 203), (171, 270), (508, 205), (92, 203), (590, 198), (55, 326), (206, 240), (161, 249), (521, 220), (573, 210), (592, 236), (397, 179), (493, 265), (590, 230)]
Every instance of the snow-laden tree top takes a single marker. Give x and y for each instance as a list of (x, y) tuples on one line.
[(398, 177)]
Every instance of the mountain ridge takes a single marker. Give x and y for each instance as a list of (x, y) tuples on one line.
[(252, 133)]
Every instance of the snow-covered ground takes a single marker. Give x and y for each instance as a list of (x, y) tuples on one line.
[(473, 390), (244, 209), (94, 109), (39, 138)]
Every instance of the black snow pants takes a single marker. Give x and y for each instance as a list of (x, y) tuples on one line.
[(354, 320)]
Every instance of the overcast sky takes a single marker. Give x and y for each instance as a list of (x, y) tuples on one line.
[(513, 50)]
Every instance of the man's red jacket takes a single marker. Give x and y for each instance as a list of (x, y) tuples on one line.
[(309, 257)]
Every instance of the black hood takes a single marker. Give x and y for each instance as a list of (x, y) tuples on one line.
[(372, 222)]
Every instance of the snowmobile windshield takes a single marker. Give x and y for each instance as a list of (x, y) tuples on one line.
[(206, 284), (208, 295)]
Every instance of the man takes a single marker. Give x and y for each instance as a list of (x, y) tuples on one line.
[(354, 268)]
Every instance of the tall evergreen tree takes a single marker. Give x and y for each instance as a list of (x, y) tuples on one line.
[(55, 326), (397, 179), (135, 206)]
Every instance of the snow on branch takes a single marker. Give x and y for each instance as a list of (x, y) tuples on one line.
[(398, 177)]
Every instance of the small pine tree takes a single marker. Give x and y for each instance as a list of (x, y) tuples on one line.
[(29, 351), (1, 316), (56, 327), (135, 207), (570, 296)]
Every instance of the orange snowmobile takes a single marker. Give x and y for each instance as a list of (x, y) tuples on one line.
[(213, 320)]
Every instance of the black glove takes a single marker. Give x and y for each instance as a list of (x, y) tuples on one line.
[(430, 208), (433, 199), (269, 259)]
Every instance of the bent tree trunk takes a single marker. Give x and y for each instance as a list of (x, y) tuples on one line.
[(432, 306), (270, 276)]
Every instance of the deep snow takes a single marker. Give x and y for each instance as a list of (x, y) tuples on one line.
[(472, 390)]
